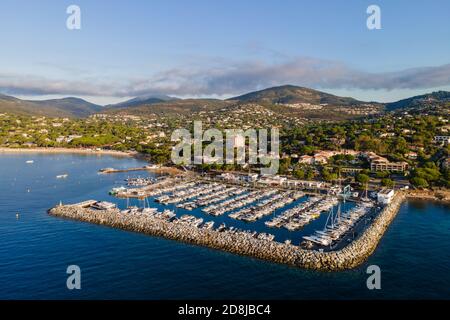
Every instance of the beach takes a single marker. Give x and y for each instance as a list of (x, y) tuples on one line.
[(70, 150)]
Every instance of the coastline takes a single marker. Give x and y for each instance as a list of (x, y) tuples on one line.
[(70, 150)]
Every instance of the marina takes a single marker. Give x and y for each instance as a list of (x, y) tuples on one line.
[(191, 229), (238, 219)]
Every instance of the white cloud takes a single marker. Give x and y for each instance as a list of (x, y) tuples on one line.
[(226, 79)]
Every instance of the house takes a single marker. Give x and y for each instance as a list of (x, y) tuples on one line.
[(445, 139), (320, 159), (306, 159), (411, 155)]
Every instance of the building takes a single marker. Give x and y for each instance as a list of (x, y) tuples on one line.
[(385, 196), (385, 165), (351, 170), (412, 155), (378, 163), (442, 139), (322, 157), (306, 159), (273, 180)]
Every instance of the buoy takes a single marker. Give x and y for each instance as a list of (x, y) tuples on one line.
[(17, 216)]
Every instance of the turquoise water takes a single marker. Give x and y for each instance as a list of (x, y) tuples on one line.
[(35, 249)]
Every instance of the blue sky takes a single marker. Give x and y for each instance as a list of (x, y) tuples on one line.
[(199, 48)]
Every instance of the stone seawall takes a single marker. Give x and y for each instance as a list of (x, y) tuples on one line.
[(242, 243)]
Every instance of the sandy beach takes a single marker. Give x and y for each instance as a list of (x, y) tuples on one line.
[(69, 150)]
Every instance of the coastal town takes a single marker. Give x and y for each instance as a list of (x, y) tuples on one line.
[(338, 186), (396, 149)]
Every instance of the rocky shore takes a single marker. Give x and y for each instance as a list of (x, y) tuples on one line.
[(437, 195), (243, 243)]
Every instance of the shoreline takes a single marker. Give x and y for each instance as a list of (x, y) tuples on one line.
[(442, 196), (349, 257), (70, 150)]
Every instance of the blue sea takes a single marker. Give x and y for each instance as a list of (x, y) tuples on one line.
[(36, 249)]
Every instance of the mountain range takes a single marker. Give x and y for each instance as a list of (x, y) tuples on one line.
[(288, 99), (65, 107)]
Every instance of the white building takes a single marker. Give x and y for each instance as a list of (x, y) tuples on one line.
[(385, 196), (442, 139)]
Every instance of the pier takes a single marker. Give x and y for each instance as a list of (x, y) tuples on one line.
[(242, 242), (156, 169)]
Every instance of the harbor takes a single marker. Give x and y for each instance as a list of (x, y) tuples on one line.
[(189, 229), (282, 225)]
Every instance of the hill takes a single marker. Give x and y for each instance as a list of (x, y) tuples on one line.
[(66, 107), (285, 100), (289, 94), (185, 106), (423, 101), (143, 100)]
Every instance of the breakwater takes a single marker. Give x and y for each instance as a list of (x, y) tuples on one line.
[(244, 243)]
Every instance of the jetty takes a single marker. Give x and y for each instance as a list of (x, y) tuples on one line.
[(238, 241), (152, 168)]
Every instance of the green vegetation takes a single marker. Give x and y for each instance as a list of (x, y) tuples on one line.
[(407, 137)]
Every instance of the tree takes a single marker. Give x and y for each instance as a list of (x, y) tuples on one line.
[(364, 180), (382, 174), (386, 182), (299, 174), (419, 182)]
